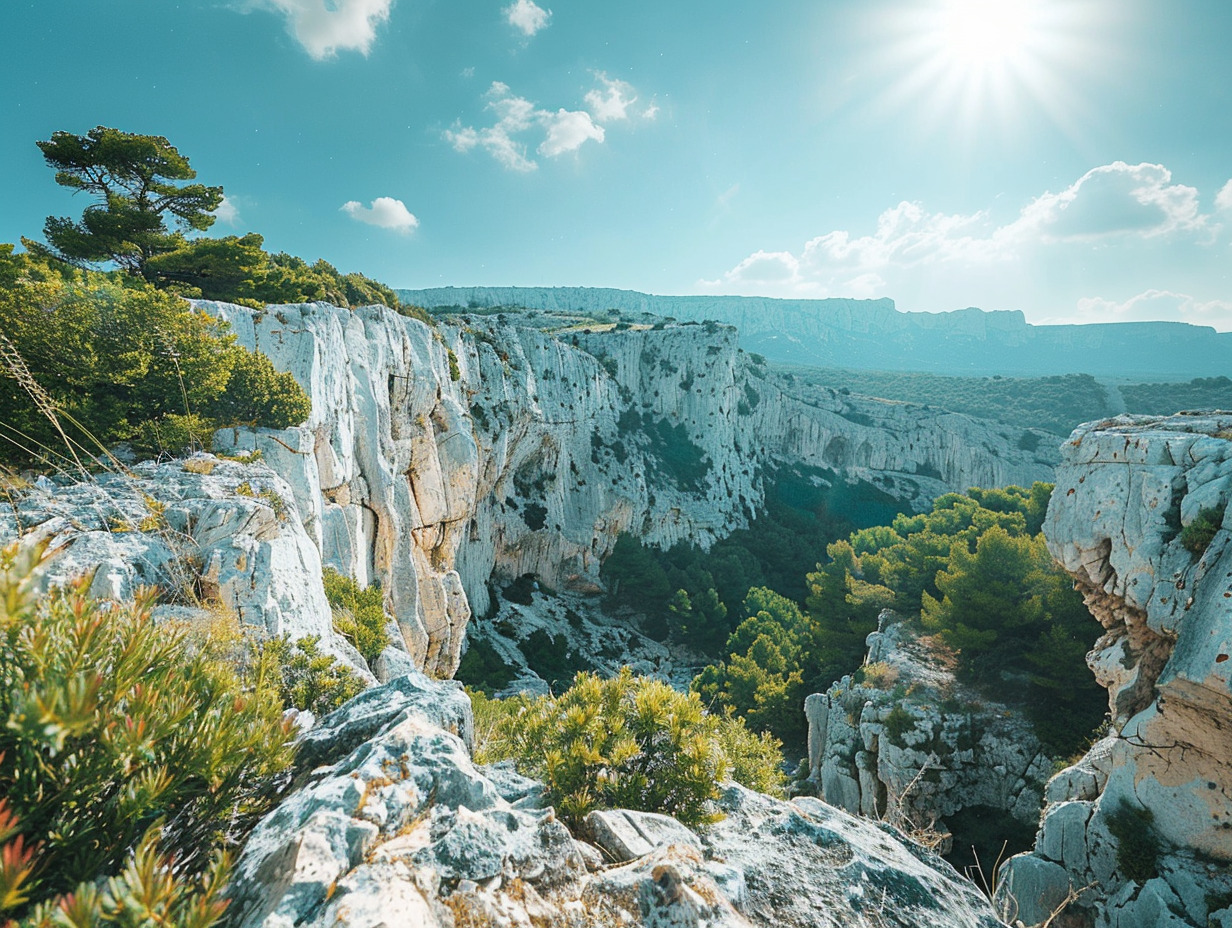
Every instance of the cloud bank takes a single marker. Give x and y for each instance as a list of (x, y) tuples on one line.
[(385, 213), (1116, 222)]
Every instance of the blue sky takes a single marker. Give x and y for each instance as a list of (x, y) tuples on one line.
[(1069, 158)]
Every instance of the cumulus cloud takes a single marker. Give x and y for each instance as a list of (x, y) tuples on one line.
[(326, 27), (527, 17), (564, 130), (1115, 199), (385, 212), (1223, 199), (227, 213), (1113, 203), (568, 131), (611, 99), (1158, 305)]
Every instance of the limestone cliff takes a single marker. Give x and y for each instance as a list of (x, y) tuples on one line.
[(437, 458), (1146, 817), (902, 741)]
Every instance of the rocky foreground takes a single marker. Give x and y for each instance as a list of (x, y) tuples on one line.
[(390, 823)]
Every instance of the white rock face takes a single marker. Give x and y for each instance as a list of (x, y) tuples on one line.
[(438, 458), (392, 824), (908, 759), (1126, 490), (200, 529)]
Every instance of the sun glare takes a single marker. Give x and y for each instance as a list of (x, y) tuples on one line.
[(979, 34), (971, 67)]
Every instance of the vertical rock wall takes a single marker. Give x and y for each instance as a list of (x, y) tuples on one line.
[(1146, 816)]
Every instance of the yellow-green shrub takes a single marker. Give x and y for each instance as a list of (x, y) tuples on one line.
[(628, 742), (117, 736)]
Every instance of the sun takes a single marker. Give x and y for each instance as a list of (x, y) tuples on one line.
[(977, 35), (968, 68)]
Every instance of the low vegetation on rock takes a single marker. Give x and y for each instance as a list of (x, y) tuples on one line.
[(626, 742), (130, 761)]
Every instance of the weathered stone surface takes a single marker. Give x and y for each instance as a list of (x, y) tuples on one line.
[(402, 829), (626, 835), (1126, 490), (932, 762), (202, 528)]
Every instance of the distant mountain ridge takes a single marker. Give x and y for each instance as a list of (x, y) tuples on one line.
[(875, 335)]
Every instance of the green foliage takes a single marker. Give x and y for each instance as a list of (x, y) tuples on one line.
[(1137, 844), (631, 743), (455, 372), (984, 582), (305, 677), (482, 668), (135, 179), (117, 737), (119, 361), (549, 657), (1163, 399), (803, 514), (897, 723), (359, 614), (1198, 534), (699, 621), (148, 891), (762, 679)]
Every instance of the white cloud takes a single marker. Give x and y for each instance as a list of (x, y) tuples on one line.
[(651, 111), (1223, 199), (611, 99), (385, 212), (1115, 203), (227, 213), (526, 16), (564, 130), (1115, 199), (1157, 305), (568, 131), (326, 27)]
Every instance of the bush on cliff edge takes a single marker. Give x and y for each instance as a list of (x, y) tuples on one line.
[(129, 761)]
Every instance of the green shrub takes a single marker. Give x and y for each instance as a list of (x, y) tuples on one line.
[(119, 361), (1137, 844), (1198, 534), (631, 743), (305, 677), (897, 724), (359, 614), (118, 737)]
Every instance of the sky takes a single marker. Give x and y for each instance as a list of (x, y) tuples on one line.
[(1068, 158)]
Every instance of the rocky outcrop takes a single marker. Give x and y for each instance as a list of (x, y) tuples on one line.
[(903, 742), (399, 827), (203, 531), (438, 458), (1146, 816)]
